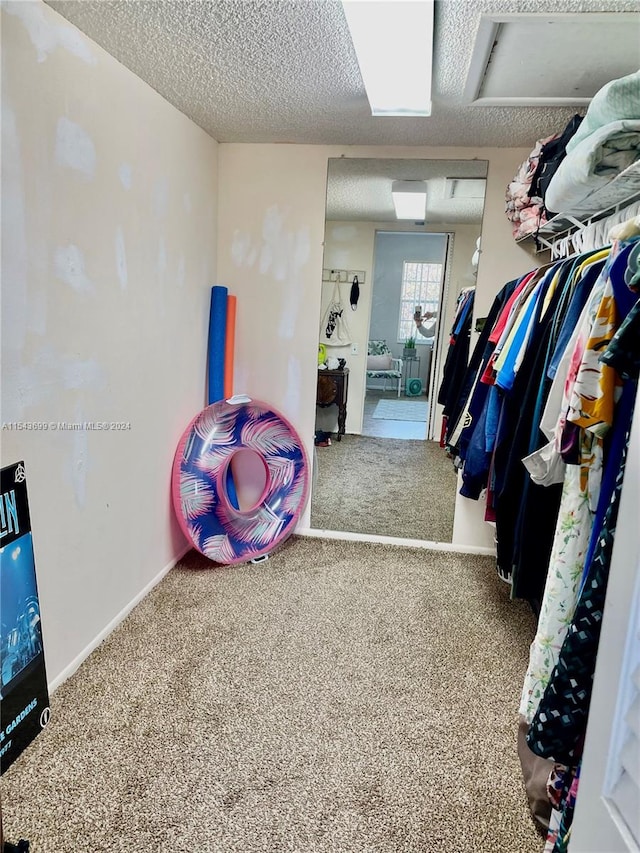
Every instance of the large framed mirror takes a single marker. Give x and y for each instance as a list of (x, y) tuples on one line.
[(378, 466)]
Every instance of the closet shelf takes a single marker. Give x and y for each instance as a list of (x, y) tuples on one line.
[(617, 194)]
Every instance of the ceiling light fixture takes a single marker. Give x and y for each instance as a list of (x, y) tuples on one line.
[(409, 199), (393, 42)]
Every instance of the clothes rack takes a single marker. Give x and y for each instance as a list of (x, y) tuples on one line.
[(552, 383)]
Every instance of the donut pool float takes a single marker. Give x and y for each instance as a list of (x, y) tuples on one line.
[(240, 480)]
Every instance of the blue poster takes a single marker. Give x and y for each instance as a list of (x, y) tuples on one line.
[(24, 698)]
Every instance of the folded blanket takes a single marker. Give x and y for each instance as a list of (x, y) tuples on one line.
[(617, 100), (600, 156)]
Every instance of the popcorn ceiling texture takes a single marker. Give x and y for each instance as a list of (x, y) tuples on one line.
[(285, 70), (360, 188)]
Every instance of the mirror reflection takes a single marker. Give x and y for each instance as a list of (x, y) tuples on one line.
[(390, 289)]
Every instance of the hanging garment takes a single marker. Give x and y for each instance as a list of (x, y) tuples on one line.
[(612, 444), (542, 490), (563, 792), (560, 722), (532, 543), (334, 331), (535, 775), (458, 354), (506, 319), (473, 392), (513, 435), (544, 462), (573, 531), (469, 435), (558, 727), (580, 495), (621, 356), (355, 293), (623, 352)]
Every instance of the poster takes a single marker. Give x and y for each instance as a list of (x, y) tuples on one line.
[(24, 698)]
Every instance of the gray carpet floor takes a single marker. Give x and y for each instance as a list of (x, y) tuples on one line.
[(341, 697), (392, 487)]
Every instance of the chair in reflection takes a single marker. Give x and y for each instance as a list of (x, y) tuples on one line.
[(382, 365)]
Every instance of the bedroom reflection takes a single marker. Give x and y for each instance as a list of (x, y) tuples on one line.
[(387, 474)]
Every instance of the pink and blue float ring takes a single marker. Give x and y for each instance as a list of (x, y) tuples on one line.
[(240, 480)]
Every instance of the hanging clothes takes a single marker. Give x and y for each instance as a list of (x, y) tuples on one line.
[(541, 495), (558, 728), (539, 427), (559, 724), (472, 392), (514, 405), (590, 397), (458, 353)]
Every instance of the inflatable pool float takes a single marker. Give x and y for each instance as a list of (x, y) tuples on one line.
[(240, 480)]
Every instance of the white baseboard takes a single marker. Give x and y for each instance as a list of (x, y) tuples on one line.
[(390, 540), (84, 654)]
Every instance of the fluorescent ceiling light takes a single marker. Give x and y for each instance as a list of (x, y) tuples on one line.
[(409, 199), (393, 40)]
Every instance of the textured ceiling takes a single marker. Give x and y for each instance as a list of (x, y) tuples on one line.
[(285, 70), (360, 189)]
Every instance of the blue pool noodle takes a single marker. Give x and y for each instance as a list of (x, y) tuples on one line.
[(217, 339)]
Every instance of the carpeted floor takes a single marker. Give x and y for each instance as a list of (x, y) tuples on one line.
[(393, 487), (402, 410), (341, 697)]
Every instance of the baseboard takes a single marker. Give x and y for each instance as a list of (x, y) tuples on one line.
[(122, 615), (313, 533)]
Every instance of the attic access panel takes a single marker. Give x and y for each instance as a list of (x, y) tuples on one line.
[(550, 60), (465, 188)]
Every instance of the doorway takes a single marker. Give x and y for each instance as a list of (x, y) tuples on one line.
[(408, 275)]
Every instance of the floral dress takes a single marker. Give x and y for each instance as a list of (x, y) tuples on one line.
[(571, 540)]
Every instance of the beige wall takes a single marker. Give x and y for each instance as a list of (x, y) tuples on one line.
[(270, 247), (109, 223), (110, 215), (350, 245)]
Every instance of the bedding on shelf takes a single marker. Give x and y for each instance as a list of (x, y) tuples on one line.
[(598, 159), (606, 143), (526, 211), (566, 171)]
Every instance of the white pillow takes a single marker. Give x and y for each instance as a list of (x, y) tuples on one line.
[(378, 362)]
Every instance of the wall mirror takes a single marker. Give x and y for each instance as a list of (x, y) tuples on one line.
[(387, 474)]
